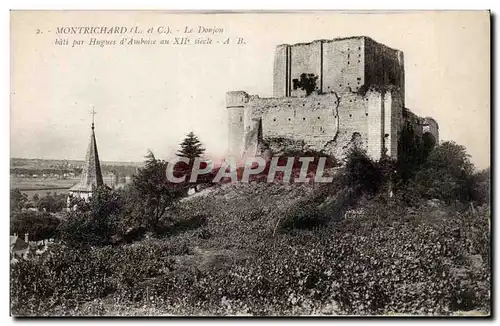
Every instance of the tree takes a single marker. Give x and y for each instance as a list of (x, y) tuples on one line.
[(39, 225), (447, 174), (152, 192), (191, 147), (481, 184), (51, 202), (94, 223), (17, 200)]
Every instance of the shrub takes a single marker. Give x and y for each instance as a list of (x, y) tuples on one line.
[(302, 215), (361, 174)]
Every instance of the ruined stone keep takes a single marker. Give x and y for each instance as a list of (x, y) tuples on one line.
[(328, 96)]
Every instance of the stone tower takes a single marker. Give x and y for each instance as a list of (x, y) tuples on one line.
[(340, 64)]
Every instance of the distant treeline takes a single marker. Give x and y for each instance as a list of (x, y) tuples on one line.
[(41, 171), (122, 170), (117, 169)]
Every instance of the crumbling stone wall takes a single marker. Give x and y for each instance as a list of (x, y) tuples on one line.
[(431, 126), (330, 123), (326, 122), (312, 119), (252, 138)]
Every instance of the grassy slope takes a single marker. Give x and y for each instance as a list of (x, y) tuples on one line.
[(240, 215)]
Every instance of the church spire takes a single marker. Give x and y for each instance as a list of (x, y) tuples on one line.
[(91, 176)]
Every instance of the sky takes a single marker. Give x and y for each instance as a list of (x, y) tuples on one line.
[(151, 96)]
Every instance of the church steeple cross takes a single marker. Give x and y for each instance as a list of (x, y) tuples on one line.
[(93, 114)]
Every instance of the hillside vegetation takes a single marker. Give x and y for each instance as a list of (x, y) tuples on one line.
[(226, 260), (274, 249)]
